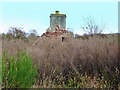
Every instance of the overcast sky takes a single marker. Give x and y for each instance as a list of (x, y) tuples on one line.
[(35, 15)]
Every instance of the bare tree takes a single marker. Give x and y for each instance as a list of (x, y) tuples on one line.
[(91, 27)]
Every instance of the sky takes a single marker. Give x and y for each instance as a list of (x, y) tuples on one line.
[(36, 15)]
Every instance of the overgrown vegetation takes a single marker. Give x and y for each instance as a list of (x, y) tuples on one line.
[(75, 63), (18, 72)]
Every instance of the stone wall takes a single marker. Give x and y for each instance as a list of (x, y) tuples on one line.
[(57, 20)]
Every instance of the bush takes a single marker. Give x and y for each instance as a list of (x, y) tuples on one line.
[(18, 73)]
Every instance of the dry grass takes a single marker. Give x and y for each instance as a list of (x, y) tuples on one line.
[(60, 61)]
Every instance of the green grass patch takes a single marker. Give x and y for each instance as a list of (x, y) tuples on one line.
[(18, 72)]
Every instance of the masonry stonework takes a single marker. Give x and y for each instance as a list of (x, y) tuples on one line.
[(57, 20)]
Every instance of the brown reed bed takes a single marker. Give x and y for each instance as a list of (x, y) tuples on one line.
[(85, 63)]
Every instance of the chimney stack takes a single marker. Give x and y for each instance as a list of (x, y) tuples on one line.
[(57, 12)]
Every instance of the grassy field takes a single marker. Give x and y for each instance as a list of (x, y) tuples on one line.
[(50, 63)]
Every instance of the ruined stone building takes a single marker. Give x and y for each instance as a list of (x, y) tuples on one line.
[(57, 26)]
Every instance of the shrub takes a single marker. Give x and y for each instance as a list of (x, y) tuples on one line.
[(18, 73)]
